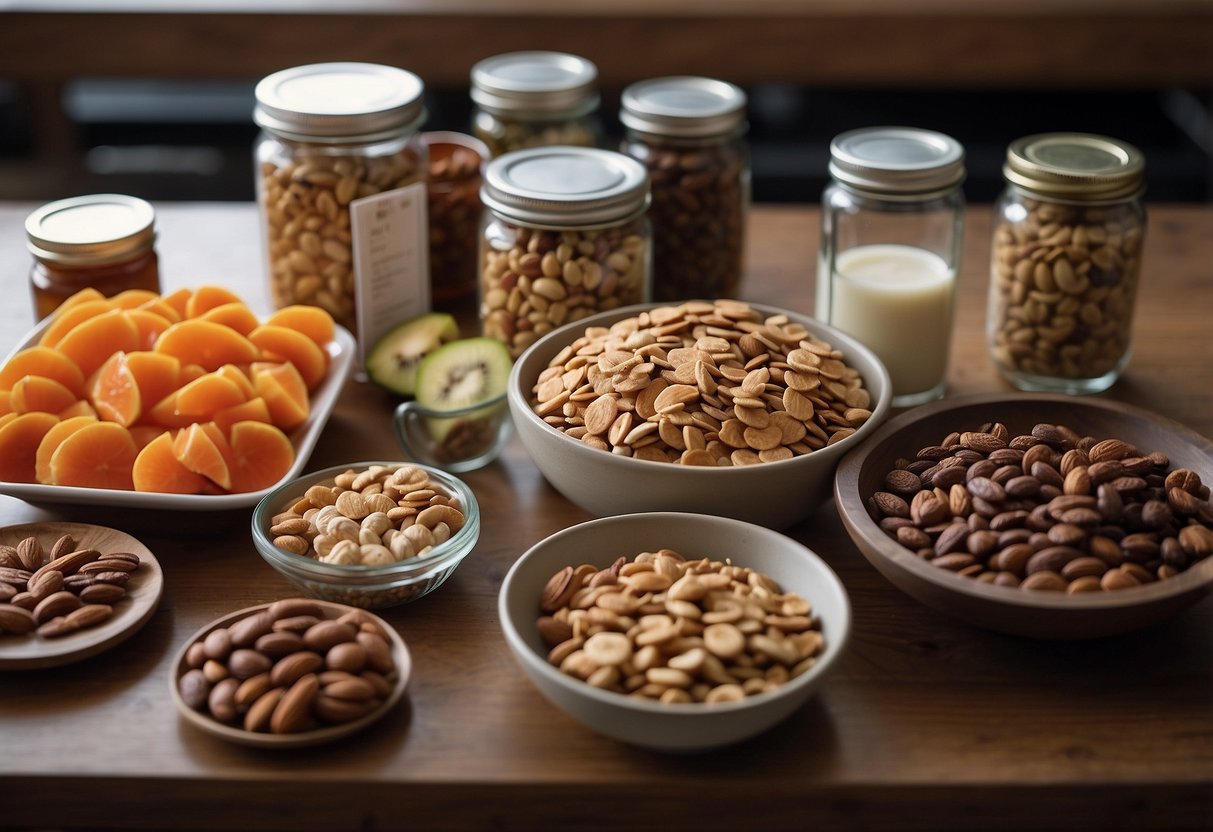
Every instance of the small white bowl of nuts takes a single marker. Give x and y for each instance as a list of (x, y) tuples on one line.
[(717, 407), (369, 534), (672, 631)]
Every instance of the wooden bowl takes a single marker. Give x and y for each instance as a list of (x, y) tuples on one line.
[(1046, 615)]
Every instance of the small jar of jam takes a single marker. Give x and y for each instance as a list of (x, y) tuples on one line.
[(102, 241)]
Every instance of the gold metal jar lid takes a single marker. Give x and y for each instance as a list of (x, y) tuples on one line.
[(91, 230), (1077, 166)]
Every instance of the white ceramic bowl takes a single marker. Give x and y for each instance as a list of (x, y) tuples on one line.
[(773, 494), (665, 727)]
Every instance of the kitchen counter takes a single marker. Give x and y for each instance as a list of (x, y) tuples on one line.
[(926, 723)]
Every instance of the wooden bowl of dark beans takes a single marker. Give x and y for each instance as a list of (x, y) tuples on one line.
[(1044, 516)]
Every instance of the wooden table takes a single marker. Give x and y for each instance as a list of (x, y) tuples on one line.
[(926, 724)]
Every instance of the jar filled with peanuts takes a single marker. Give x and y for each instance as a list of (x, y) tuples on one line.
[(99, 241), (565, 236), (690, 134), (341, 184), (1066, 258), (535, 99)]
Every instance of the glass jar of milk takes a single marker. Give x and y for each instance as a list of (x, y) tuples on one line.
[(892, 224)]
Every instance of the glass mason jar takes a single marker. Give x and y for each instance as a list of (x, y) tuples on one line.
[(100, 241), (690, 134), (892, 225), (341, 185), (565, 236), (535, 99), (456, 167), (1065, 262)]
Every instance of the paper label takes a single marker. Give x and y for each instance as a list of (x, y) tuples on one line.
[(391, 261)]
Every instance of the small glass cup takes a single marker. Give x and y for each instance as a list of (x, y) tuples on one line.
[(457, 440)]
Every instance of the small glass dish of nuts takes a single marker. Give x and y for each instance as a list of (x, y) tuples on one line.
[(458, 440), (368, 534)]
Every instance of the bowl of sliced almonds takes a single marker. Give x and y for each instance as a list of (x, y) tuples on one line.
[(716, 407), (1039, 515)]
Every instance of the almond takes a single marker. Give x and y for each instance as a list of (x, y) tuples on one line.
[(353, 688), (100, 593), (64, 545), (9, 559), (70, 563), (16, 620), (89, 615), (55, 605), (290, 669), (29, 551), (337, 711), (294, 712), (262, 711), (322, 636)]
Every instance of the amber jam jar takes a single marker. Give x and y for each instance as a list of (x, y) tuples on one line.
[(100, 241)]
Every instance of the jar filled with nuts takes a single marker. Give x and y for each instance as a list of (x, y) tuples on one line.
[(892, 223), (565, 236), (1068, 233), (341, 185), (690, 134), (535, 99)]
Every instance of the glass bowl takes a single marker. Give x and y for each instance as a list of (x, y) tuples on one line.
[(369, 587), (454, 440)]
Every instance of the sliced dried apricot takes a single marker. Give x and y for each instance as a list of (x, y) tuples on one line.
[(156, 373), (255, 410), (284, 391), (261, 454), (20, 435), (156, 468), (235, 315), (195, 448), (39, 393), (114, 391), (314, 322), (279, 343), (207, 297), (99, 455), (92, 341), (42, 361), (66, 317), (50, 443), (206, 343)]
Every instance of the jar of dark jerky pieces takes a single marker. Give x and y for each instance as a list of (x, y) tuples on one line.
[(690, 134)]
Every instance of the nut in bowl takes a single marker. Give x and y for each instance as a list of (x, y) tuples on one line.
[(716, 407), (721, 655), (458, 440), (320, 531), (1065, 518)]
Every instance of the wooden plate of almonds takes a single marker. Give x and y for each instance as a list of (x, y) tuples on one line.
[(1039, 515), (297, 672), (69, 591)]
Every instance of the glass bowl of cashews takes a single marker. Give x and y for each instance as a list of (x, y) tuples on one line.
[(369, 534)]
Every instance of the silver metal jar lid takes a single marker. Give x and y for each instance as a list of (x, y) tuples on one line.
[(897, 160), (91, 230), (535, 83), (565, 187), (683, 106), (336, 102), (1079, 166)]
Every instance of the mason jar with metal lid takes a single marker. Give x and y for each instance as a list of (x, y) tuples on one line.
[(892, 225), (565, 236), (100, 241), (1066, 259), (690, 134), (341, 185), (535, 99)]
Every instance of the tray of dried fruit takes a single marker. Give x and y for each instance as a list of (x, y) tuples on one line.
[(185, 402), (69, 591)]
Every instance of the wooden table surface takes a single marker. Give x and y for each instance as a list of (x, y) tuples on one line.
[(926, 723)]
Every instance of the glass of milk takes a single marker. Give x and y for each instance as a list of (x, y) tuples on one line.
[(892, 226)]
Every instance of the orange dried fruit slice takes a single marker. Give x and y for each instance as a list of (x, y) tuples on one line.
[(279, 343), (179, 301), (42, 361), (99, 455), (161, 308), (284, 391), (67, 317), (149, 326), (254, 410), (50, 443), (206, 343), (195, 448), (239, 376), (156, 373), (156, 468), (206, 298), (92, 341), (20, 435), (42, 394), (262, 455), (114, 391), (206, 394), (6, 405), (80, 407), (143, 434), (86, 294), (189, 372), (314, 322), (235, 315), (133, 298)]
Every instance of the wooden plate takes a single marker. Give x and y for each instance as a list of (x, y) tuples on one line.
[(132, 612), (231, 733)]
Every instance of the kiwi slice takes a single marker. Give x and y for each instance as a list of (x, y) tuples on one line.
[(394, 360), (463, 373)]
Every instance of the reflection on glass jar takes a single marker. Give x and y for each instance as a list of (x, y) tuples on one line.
[(689, 133), (535, 99), (1066, 258), (565, 236)]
